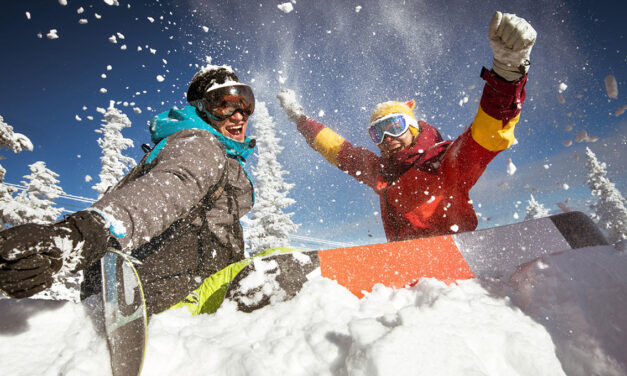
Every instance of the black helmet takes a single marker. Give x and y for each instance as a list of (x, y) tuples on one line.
[(205, 79)]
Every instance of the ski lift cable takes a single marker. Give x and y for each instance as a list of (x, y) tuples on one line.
[(88, 200), (63, 195)]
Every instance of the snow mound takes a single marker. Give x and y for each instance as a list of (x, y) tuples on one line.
[(561, 314)]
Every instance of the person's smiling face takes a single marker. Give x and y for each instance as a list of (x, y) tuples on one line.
[(392, 145), (233, 127)]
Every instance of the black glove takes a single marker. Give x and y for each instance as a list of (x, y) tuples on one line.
[(31, 254)]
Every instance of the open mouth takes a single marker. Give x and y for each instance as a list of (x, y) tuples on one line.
[(235, 131), (395, 150)]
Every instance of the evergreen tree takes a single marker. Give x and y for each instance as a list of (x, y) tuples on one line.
[(114, 164), (610, 207), (535, 209), (15, 142), (35, 203), (12, 140), (269, 226), (6, 197)]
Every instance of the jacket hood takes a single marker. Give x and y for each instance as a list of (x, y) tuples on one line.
[(170, 122)]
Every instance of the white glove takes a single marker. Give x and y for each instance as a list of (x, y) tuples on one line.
[(290, 105), (511, 39)]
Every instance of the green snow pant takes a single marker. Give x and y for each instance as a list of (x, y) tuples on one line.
[(208, 297)]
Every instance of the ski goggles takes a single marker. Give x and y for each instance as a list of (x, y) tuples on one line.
[(220, 103), (394, 125)]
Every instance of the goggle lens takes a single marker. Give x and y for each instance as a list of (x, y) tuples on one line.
[(223, 102), (394, 126)]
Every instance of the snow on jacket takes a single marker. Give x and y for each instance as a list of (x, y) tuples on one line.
[(424, 189), (171, 225)]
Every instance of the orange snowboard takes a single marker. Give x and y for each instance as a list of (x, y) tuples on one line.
[(397, 264)]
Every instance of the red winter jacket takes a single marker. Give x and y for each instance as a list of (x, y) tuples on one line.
[(424, 189)]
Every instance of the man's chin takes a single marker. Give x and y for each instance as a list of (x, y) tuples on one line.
[(393, 152), (237, 138)]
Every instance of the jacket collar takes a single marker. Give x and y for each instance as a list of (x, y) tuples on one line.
[(420, 154), (170, 122)]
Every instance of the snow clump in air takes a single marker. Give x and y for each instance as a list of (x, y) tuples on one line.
[(112, 2), (611, 86), (511, 168), (63, 2), (52, 34), (357, 8), (561, 89), (286, 7), (28, 15), (160, 78)]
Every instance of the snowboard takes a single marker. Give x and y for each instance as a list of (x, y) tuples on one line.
[(487, 253), (124, 313)]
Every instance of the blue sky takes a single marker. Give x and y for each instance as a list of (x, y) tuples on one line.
[(342, 62)]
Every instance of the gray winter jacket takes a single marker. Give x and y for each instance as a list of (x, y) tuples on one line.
[(172, 225)]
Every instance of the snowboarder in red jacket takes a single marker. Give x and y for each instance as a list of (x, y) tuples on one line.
[(424, 182)]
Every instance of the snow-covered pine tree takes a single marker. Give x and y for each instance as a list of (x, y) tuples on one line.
[(6, 197), (12, 140), (15, 142), (114, 164), (268, 225), (535, 209), (610, 208), (35, 203)]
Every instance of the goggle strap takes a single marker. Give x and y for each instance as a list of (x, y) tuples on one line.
[(411, 121)]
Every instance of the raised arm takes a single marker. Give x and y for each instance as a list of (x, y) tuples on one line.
[(492, 130), (360, 163)]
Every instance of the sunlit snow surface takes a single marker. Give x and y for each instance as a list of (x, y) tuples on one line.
[(568, 305)]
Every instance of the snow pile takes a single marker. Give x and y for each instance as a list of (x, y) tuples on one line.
[(262, 283), (580, 297), (562, 314)]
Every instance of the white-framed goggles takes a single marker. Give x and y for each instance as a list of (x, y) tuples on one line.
[(393, 124), (222, 101)]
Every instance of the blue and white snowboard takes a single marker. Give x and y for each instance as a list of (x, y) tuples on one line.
[(124, 313)]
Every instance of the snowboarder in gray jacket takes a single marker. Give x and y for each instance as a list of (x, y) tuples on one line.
[(178, 211)]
